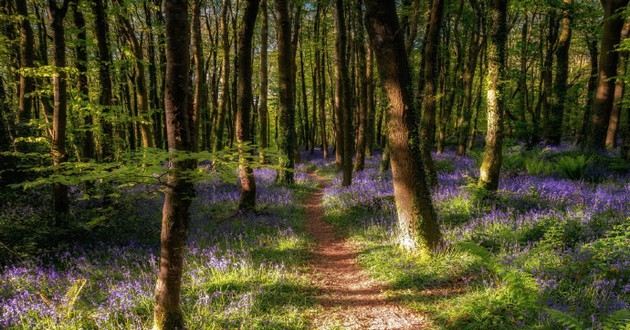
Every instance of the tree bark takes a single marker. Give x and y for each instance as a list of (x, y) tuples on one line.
[(492, 157), (584, 128), (27, 57), (556, 114), (105, 98), (59, 156), (608, 59), (342, 95), (199, 91), (225, 80), (427, 130), (179, 189), (417, 221), (88, 149), (613, 123), (264, 82), (244, 94), (286, 90)]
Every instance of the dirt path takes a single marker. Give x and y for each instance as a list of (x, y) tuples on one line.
[(351, 300)]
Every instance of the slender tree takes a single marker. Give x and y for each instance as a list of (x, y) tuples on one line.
[(244, 101), (608, 59), (286, 90), (104, 73), (88, 150), (613, 122), (417, 221), (179, 190), (342, 95), (264, 81), (493, 153), (57, 14), (556, 114), (27, 58), (427, 131)]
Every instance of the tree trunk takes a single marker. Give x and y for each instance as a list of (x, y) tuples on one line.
[(342, 95), (427, 130), (463, 122), (244, 94), (27, 57), (547, 80), (179, 189), (286, 88), (88, 149), (225, 80), (613, 123), (199, 92), (59, 155), (556, 114), (264, 81), (608, 59), (417, 221), (105, 98), (362, 82), (492, 157)]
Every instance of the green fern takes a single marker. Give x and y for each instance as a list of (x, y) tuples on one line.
[(566, 320), (619, 320)]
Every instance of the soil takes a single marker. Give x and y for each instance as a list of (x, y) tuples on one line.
[(349, 297)]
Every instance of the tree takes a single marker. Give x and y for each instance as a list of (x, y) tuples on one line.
[(427, 131), (27, 57), (493, 153), (264, 81), (342, 97), (244, 101), (613, 122), (179, 190), (104, 73), (286, 88), (417, 221), (60, 102), (88, 150), (608, 59), (556, 114)]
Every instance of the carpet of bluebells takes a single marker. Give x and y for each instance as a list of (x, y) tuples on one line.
[(545, 251), (241, 271)]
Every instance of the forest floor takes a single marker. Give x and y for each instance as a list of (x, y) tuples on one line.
[(349, 297)]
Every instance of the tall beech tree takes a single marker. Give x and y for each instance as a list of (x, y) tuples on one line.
[(615, 114), (57, 12), (417, 222), (178, 191), (244, 94), (553, 131), (105, 79), (27, 59), (342, 95), (431, 46), (263, 116), (286, 90), (495, 98), (608, 60)]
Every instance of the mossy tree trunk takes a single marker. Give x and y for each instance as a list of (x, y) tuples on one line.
[(417, 221), (244, 95), (493, 153)]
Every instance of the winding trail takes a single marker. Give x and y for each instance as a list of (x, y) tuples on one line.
[(350, 299)]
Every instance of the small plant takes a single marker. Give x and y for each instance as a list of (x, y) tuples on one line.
[(617, 320), (538, 167), (573, 167)]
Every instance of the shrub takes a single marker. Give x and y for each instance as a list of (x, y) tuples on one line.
[(538, 167)]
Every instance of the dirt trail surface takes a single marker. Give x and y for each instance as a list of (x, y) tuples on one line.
[(350, 299)]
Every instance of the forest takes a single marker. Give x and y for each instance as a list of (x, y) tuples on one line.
[(298, 164)]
